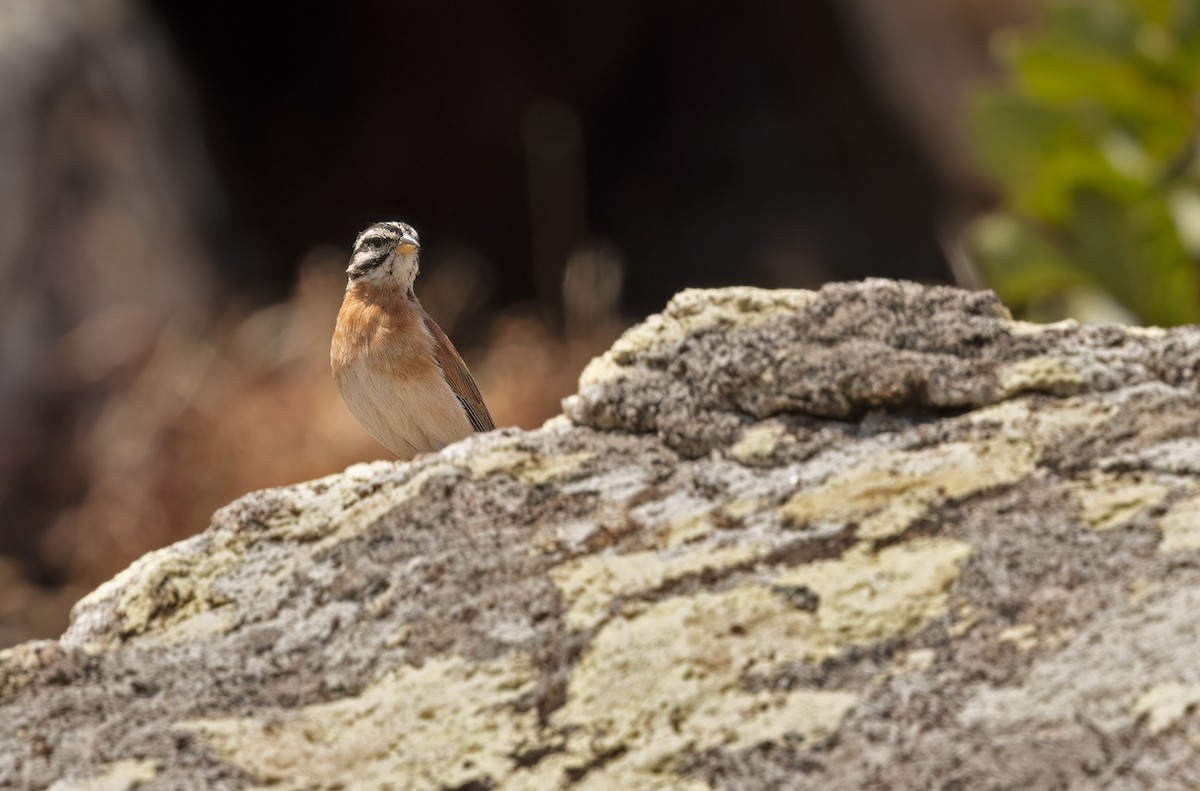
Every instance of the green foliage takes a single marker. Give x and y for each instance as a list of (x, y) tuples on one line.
[(1093, 141)]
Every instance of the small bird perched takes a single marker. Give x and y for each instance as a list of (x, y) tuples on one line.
[(397, 371)]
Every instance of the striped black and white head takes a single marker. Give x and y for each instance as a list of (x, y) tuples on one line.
[(387, 252)]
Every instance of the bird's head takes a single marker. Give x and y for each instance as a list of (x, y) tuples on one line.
[(387, 253)]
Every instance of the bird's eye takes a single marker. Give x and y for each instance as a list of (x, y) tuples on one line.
[(372, 242)]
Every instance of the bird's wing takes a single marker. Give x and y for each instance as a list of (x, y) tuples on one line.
[(459, 377)]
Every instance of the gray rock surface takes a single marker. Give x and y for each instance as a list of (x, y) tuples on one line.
[(874, 536)]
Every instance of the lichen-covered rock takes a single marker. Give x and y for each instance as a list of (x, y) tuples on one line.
[(873, 536)]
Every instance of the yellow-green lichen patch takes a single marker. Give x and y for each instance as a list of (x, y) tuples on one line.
[(886, 492), (1165, 704), (442, 725), (1146, 333), (906, 663), (558, 770), (1023, 636), (116, 776), (590, 584), (524, 465), (164, 589), (668, 681), (916, 661), (12, 680), (1048, 421), (758, 442), (1181, 526), (698, 526), (966, 618), (1022, 328), (687, 313), (863, 596), (1040, 375), (167, 596), (1107, 500), (694, 527), (1140, 588), (308, 515)]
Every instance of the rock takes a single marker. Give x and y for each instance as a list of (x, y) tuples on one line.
[(878, 535)]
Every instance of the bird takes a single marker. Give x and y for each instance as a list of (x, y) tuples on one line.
[(398, 373)]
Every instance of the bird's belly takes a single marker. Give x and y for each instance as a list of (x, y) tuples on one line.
[(408, 417)]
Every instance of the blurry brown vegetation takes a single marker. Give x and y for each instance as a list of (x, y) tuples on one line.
[(145, 380)]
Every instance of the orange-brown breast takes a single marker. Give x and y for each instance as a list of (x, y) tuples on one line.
[(385, 361), (383, 328)]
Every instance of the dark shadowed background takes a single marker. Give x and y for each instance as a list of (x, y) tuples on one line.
[(180, 183)]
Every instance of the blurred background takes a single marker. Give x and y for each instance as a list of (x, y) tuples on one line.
[(180, 184)]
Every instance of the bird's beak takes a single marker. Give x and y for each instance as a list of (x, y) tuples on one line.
[(407, 244)]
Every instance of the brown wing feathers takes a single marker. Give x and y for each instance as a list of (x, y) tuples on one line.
[(459, 377)]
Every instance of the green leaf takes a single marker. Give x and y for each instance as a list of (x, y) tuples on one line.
[(1093, 143)]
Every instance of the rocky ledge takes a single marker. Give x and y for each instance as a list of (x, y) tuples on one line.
[(878, 535)]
